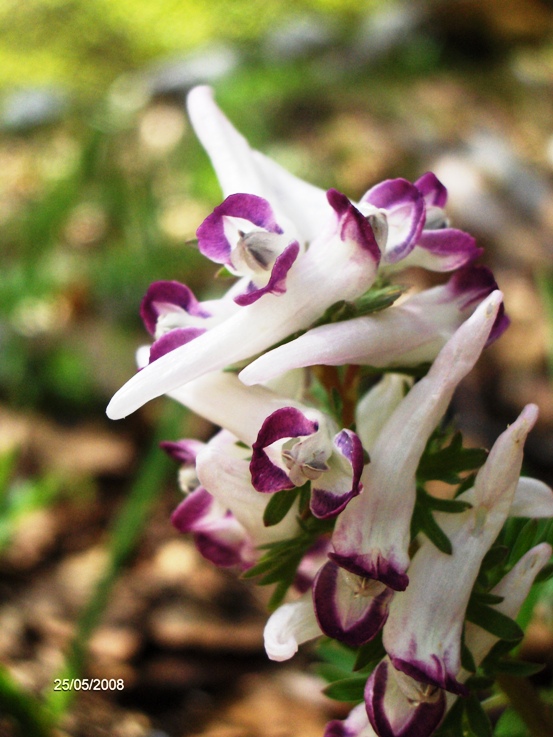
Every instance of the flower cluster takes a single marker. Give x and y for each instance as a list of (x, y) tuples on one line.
[(330, 383)]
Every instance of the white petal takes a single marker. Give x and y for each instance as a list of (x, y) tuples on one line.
[(375, 526), (377, 405), (230, 153), (514, 587), (227, 478), (289, 626)]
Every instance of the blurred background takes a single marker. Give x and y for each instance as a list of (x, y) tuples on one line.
[(102, 186)]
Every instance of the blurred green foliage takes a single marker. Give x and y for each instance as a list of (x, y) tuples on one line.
[(85, 44)]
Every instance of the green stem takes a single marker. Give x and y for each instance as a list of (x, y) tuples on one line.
[(524, 699), (27, 712), (125, 535)]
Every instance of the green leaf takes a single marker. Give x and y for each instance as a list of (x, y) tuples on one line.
[(224, 273), (467, 661), (545, 574), (524, 541), (331, 673), (279, 505), (479, 682), (493, 621), (519, 668), (433, 531), (378, 298), (370, 652), (510, 724), (452, 726), (486, 597), (452, 506), (278, 594), (349, 689), (447, 463), (477, 717), (336, 653), (494, 557)]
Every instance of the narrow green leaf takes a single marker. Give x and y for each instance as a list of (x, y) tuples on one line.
[(452, 506), (479, 682), (545, 574), (524, 541), (485, 597), (519, 668), (331, 673), (350, 689), (336, 653), (278, 595), (279, 505), (370, 652), (435, 533), (467, 661), (493, 621), (452, 726), (495, 557), (477, 717)]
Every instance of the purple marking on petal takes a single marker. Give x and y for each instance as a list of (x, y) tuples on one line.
[(182, 451), (173, 339), (344, 614), (475, 283), (277, 281), (402, 201), (422, 718), (324, 502), (502, 322), (349, 445), (433, 191), (353, 225), (356, 724), (219, 552), (219, 537), (212, 240), (286, 422), (437, 674), (452, 245), (191, 510), (337, 728), (162, 294), (380, 570)]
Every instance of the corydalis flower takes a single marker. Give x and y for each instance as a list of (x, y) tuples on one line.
[(340, 264), (295, 447), (406, 335), (242, 234), (224, 512), (423, 633), (287, 289), (372, 536)]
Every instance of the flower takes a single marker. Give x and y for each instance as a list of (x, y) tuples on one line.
[(288, 627), (295, 447), (406, 335), (299, 250), (223, 511), (422, 635), (243, 234), (340, 264), (372, 535), (398, 705)]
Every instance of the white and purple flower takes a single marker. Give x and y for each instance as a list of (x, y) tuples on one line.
[(295, 447)]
